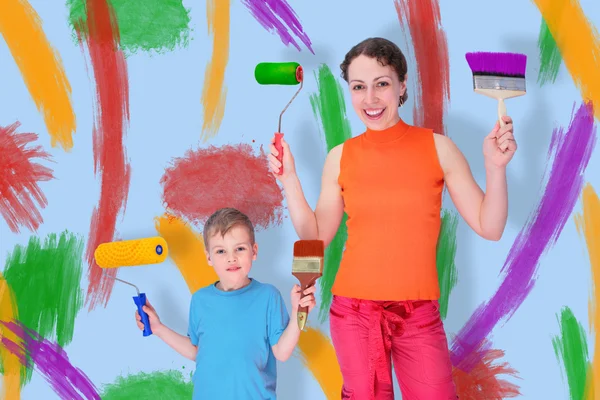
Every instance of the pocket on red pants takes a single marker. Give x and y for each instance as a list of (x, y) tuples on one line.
[(433, 348)]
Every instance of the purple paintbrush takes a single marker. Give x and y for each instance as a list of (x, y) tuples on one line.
[(499, 76)]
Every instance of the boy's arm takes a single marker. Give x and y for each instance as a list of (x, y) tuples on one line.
[(181, 344), (288, 340)]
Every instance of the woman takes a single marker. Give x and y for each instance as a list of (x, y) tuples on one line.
[(389, 180)]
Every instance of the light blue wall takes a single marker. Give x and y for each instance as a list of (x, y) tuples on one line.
[(166, 119)]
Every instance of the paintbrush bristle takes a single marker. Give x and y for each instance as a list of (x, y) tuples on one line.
[(500, 64), (309, 248)]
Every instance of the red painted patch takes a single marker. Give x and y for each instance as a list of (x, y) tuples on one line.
[(112, 87), (230, 176), (433, 63), (483, 382), (19, 179)]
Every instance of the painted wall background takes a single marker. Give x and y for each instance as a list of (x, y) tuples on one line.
[(126, 119)]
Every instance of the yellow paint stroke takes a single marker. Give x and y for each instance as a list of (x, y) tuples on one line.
[(318, 355), (186, 249), (11, 388), (588, 225), (579, 44), (214, 91), (41, 68)]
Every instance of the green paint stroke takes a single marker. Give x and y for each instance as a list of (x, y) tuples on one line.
[(446, 252), (550, 58), (572, 352), (45, 279), (155, 385), (148, 25), (329, 108)]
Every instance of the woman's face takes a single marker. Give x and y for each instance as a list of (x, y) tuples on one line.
[(375, 91)]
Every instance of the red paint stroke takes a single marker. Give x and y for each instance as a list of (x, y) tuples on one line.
[(110, 73), (423, 20), (483, 382), (19, 178), (230, 176)]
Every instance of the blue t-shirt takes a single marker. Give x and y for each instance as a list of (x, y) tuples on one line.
[(234, 332)]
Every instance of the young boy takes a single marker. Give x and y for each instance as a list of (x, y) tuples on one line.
[(238, 326)]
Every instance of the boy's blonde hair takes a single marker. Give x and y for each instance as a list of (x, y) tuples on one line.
[(223, 220)]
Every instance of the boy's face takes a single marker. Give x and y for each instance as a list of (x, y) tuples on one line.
[(231, 256)]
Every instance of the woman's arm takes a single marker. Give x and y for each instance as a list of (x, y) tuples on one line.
[(322, 223), (486, 213)]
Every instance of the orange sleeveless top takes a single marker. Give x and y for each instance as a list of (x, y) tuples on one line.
[(392, 184)]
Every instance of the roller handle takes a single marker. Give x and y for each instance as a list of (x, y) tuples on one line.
[(279, 147), (140, 301)]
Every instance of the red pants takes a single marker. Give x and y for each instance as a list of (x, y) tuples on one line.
[(369, 335)]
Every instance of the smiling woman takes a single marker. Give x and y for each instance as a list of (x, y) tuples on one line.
[(388, 300)]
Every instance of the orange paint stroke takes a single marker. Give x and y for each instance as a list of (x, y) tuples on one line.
[(11, 388), (579, 44), (318, 355), (588, 225), (186, 249), (41, 68), (214, 92)]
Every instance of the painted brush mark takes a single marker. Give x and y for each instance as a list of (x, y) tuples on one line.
[(318, 355), (10, 389), (571, 351), (588, 225), (150, 26), (41, 68), (483, 381), (423, 20), (274, 15), (155, 385), (214, 92), (45, 279), (112, 91), (571, 149), (578, 43), (52, 362), (207, 179), (550, 59), (186, 249), (20, 177), (329, 108), (446, 252)]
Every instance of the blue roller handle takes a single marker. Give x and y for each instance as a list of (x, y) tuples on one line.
[(140, 301)]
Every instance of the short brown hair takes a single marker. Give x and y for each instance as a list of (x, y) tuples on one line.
[(386, 53), (225, 219)]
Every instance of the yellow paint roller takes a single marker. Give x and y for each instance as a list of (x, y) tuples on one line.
[(126, 253)]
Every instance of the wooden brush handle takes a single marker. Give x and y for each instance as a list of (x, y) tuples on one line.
[(501, 112)]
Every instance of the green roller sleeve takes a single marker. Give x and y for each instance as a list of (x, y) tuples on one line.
[(282, 73)]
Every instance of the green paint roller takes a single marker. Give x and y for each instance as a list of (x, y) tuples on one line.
[(282, 73)]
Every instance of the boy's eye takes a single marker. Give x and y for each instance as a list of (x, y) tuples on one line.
[(220, 251), (241, 248)]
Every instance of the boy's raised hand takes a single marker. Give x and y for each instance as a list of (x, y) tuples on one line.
[(307, 301), (152, 317)]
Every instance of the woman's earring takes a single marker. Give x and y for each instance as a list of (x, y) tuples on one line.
[(401, 101)]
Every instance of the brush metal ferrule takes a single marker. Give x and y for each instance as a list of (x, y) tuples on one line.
[(307, 264), (483, 82)]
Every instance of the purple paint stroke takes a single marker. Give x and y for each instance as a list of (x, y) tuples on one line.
[(52, 362), (266, 12), (572, 150)]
